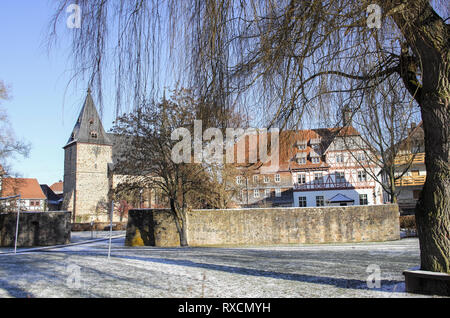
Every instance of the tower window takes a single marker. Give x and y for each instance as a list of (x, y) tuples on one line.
[(93, 134)]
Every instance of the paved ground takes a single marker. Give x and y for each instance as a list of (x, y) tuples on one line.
[(323, 270)]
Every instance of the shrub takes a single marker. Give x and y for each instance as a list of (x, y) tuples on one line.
[(408, 222)]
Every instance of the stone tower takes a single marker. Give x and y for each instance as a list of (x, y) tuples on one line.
[(86, 157)]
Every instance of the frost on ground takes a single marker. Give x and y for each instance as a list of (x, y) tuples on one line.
[(323, 270)]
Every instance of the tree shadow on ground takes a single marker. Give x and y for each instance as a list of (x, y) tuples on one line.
[(14, 291), (331, 281)]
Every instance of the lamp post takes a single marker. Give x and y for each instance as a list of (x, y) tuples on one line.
[(17, 224)]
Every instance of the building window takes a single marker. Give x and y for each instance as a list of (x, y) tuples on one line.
[(320, 201), (301, 161), (362, 176), (277, 178), (93, 134), (340, 158), (301, 145), (255, 178), (301, 178), (278, 192), (266, 192), (242, 195), (239, 180), (361, 157), (266, 179), (315, 160), (31, 203), (256, 193), (363, 199), (318, 178), (302, 201), (339, 176)]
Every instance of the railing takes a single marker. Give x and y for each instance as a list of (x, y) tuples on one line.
[(405, 159), (333, 185), (410, 181)]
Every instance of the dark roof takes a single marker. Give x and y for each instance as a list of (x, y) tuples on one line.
[(340, 198), (89, 128), (51, 196)]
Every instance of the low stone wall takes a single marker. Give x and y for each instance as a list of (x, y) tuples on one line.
[(266, 226), (35, 228), (98, 226)]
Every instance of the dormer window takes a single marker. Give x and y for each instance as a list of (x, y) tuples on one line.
[(300, 157), (94, 134), (315, 160), (301, 144)]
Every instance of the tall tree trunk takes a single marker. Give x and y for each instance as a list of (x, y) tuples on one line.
[(427, 36), (181, 226), (433, 208)]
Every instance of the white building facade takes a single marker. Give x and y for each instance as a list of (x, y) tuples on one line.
[(334, 171)]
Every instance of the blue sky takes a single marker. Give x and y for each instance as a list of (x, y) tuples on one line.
[(41, 110)]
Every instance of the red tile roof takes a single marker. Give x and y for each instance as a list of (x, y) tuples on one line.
[(57, 187), (288, 150), (26, 187)]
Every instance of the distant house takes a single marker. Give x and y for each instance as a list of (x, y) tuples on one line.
[(31, 195), (317, 167), (54, 201), (57, 187)]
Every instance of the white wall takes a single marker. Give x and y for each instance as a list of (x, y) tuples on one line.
[(328, 194)]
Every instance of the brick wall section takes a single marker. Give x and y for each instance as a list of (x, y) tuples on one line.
[(272, 225), (35, 228)]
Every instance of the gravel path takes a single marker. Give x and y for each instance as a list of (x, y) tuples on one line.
[(323, 270)]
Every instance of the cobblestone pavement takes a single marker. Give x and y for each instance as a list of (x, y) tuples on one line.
[(320, 270)]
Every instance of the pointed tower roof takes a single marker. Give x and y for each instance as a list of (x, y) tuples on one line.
[(89, 128)]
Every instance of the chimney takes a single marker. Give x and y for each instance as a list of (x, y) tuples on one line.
[(413, 125)]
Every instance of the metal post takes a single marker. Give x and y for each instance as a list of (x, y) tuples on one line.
[(110, 228), (17, 224)]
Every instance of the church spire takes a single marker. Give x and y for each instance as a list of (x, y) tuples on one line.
[(89, 128)]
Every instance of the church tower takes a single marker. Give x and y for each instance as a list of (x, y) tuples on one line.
[(86, 157)]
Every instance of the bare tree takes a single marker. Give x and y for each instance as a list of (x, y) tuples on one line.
[(149, 163), (10, 146), (293, 58), (384, 120)]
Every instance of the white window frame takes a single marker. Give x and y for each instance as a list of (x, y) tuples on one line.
[(267, 193), (366, 199), (239, 179), (277, 177), (303, 178), (318, 180), (303, 200), (322, 200), (255, 178), (256, 193), (362, 173), (266, 179), (278, 192), (341, 178)]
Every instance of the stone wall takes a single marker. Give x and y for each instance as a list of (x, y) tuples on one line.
[(35, 228), (267, 226)]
